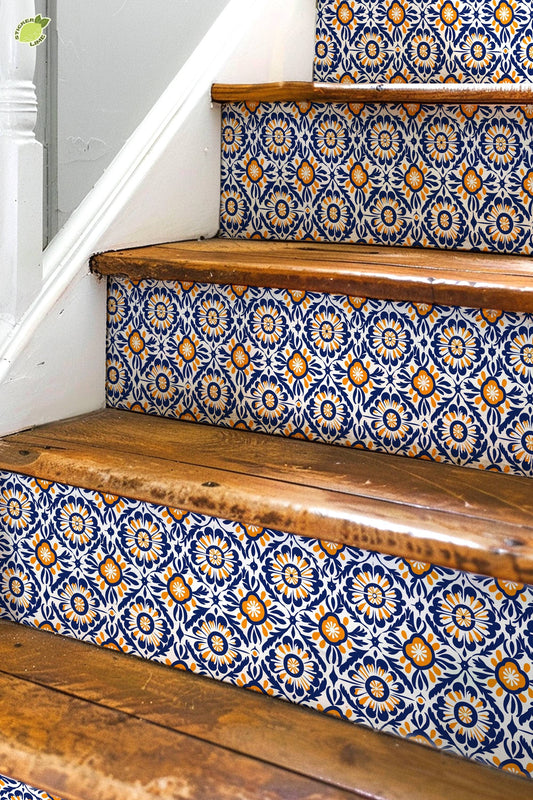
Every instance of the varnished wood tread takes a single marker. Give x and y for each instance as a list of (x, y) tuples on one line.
[(477, 280), (304, 91), (462, 518), (88, 723)]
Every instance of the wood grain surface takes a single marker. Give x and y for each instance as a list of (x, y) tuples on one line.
[(438, 93), (462, 518), (476, 280), (87, 722)]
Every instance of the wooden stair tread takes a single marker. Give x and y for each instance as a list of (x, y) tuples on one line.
[(122, 727), (66, 731), (317, 92), (462, 518), (478, 280)]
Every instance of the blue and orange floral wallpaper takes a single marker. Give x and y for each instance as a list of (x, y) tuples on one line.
[(446, 177), (450, 384), (402, 646), (423, 40)]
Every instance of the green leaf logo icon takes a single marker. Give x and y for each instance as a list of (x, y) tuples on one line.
[(31, 30)]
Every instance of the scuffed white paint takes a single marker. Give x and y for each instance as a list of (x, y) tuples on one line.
[(77, 149), (162, 186)]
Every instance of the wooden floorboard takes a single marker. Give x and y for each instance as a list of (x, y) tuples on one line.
[(478, 280), (468, 519), (81, 750), (158, 723)]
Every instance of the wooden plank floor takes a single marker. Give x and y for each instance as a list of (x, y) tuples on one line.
[(477, 280), (88, 723), (463, 518)]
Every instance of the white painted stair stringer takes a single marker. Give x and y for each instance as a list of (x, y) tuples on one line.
[(162, 186)]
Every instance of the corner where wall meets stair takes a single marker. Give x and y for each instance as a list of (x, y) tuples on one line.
[(350, 526)]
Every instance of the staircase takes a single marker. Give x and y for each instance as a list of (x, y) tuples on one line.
[(313, 476)]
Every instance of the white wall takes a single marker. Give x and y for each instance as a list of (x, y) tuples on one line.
[(114, 59)]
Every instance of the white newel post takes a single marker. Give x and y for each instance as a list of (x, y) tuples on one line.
[(21, 167)]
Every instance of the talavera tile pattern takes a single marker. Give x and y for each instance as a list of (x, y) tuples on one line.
[(404, 647), (447, 177), (451, 384), (14, 790), (423, 40)]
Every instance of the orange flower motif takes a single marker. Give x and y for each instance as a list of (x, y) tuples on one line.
[(469, 110), (293, 666), (501, 589), (118, 645), (110, 571), (419, 653), (357, 176), (425, 310), (420, 569), (344, 16), (240, 361), (472, 181), (306, 175), (18, 591), (375, 687), (186, 349), (492, 393), (254, 173), (331, 548), (490, 316), (504, 17), (298, 362), (136, 342), (255, 533), (448, 16), (253, 610), (356, 302), (397, 18), (358, 374), (510, 677), (178, 590), (174, 514), (44, 555), (424, 384), (414, 179), (331, 630)]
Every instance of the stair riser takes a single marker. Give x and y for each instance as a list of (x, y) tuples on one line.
[(298, 618), (448, 384), (450, 177), (423, 41)]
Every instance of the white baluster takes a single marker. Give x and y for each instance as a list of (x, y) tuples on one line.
[(21, 167)]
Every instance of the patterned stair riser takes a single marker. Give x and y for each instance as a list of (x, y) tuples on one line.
[(449, 384), (449, 177), (423, 40), (405, 647)]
